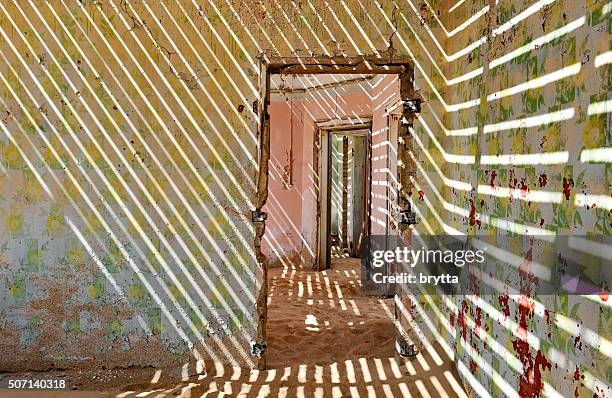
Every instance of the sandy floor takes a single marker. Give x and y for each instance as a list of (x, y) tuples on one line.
[(325, 339), (321, 318)]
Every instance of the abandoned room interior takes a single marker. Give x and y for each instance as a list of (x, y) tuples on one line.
[(202, 198)]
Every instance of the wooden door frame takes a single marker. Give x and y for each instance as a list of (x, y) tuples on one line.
[(367, 181), (394, 109), (324, 129), (367, 64)]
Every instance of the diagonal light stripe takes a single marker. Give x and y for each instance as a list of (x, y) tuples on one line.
[(537, 82), (167, 200), (114, 194), (105, 224), (531, 121)]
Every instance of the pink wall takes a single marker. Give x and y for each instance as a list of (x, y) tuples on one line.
[(282, 240), (291, 225)]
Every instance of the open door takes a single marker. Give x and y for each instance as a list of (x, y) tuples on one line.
[(354, 127), (324, 203), (361, 191)]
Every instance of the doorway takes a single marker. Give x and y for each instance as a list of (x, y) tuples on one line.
[(315, 237), (343, 159)]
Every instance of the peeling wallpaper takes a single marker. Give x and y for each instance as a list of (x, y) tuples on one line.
[(519, 138), (126, 191), (128, 157)]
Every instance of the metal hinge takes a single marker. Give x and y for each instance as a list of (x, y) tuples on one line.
[(405, 349), (258, 349), (258, 215), (412, 105), (407, 217)]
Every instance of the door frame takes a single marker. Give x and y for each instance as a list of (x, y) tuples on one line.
[(322, 150), (392, 111), (366, 64)]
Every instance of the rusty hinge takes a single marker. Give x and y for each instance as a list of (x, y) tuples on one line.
[(404, 348), (258, 349), (407, 217), (412, 105), (258, 215)]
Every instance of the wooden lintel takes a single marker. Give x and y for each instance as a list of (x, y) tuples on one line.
[(336, 65)]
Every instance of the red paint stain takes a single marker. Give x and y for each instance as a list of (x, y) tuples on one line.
[(421, 195), (503, 301), (567, 187), (472, 212), (473, 219), (493, 175), (461, 319), (531, 380), (543, 179), (523, 188), (530, 385), (577, 343), (452, 320), (603, 296), (599, 391), (577, 374), (525, 311), (478, 322), (473, 366)]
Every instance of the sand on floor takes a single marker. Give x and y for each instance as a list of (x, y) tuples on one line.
[(322, 317), (325, 339)]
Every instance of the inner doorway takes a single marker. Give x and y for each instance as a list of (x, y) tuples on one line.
[(321, 323), (344, 165)]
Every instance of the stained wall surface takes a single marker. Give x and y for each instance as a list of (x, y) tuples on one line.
[(128, 157), (517, 151)]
